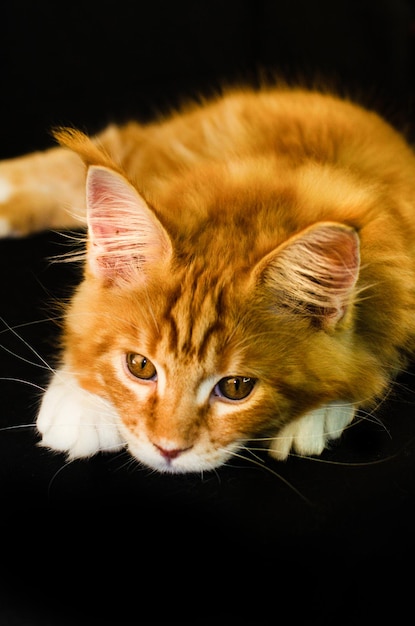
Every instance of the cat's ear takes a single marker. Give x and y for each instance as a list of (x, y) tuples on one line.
[(315, 272), (126, 241)]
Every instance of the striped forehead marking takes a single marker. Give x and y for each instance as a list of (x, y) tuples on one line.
[(193, 316)]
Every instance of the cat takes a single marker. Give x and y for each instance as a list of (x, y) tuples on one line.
[(249, 275)]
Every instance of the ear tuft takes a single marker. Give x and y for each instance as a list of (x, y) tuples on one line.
[(315, 272), (126, 240), (84, 146)]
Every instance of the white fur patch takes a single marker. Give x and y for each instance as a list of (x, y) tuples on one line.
[(6, 190), (202, 455), (310, 434), (205, 390), (75, 421)]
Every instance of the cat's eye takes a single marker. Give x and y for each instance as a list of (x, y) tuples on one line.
[(140, 366), (235, 387)]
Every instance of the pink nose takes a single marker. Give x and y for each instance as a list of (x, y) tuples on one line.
[(170, 454)]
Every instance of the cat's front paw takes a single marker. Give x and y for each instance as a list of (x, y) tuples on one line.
[(309, 434), (76, 422)]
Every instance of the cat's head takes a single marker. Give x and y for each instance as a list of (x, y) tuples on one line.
[(199, 354)]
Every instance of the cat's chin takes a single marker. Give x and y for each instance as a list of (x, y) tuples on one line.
[(195, 460)]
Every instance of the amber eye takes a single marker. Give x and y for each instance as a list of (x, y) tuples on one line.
[(140, 366), (235, 387)]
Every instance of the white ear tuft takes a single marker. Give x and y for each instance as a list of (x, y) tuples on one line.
[(126, 240), (314, 272)]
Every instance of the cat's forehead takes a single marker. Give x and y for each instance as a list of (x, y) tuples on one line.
[(195, 315)]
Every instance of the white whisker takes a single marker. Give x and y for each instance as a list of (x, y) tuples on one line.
[(56, 474), (345, 463), (78, 255), (262, 465), (370, 418), (22, 381), (17, 427), (27, 324), (27, 344), (23, 359)]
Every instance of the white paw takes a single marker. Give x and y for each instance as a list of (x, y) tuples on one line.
[(75, 421), (309, 434)]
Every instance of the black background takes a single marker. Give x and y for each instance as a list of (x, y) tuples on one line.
[(104, 540)]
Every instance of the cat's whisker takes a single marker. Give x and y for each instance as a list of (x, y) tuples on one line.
[(252, 451), (23, 382), (109, 448), (210, 471), (400, 389), (63, 467), (27, 344), (369, 417), (23, 359), (73, 238), (265, 467), (319, 459), (18, 427), (129, 462), (16, 327)]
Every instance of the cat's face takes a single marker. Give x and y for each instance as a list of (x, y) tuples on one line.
[(184, 366), (199, 357)]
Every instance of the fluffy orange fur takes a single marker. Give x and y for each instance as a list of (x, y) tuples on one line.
[(264, 238)]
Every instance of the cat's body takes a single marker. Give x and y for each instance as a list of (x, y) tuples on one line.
[(255, 279)]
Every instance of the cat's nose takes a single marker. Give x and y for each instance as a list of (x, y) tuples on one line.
[(172, 453)]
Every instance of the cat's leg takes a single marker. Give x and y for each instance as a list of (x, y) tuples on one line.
[(46, 190), (74, 421), (42, 190), (309, 434)]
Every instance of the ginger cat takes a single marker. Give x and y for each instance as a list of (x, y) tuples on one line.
[(249, 275)]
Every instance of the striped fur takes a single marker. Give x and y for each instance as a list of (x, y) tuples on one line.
[(264, 239)]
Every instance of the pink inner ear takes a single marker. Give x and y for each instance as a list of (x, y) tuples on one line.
[(111, 200), (333, 256), (316, 271), (125, 236)]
